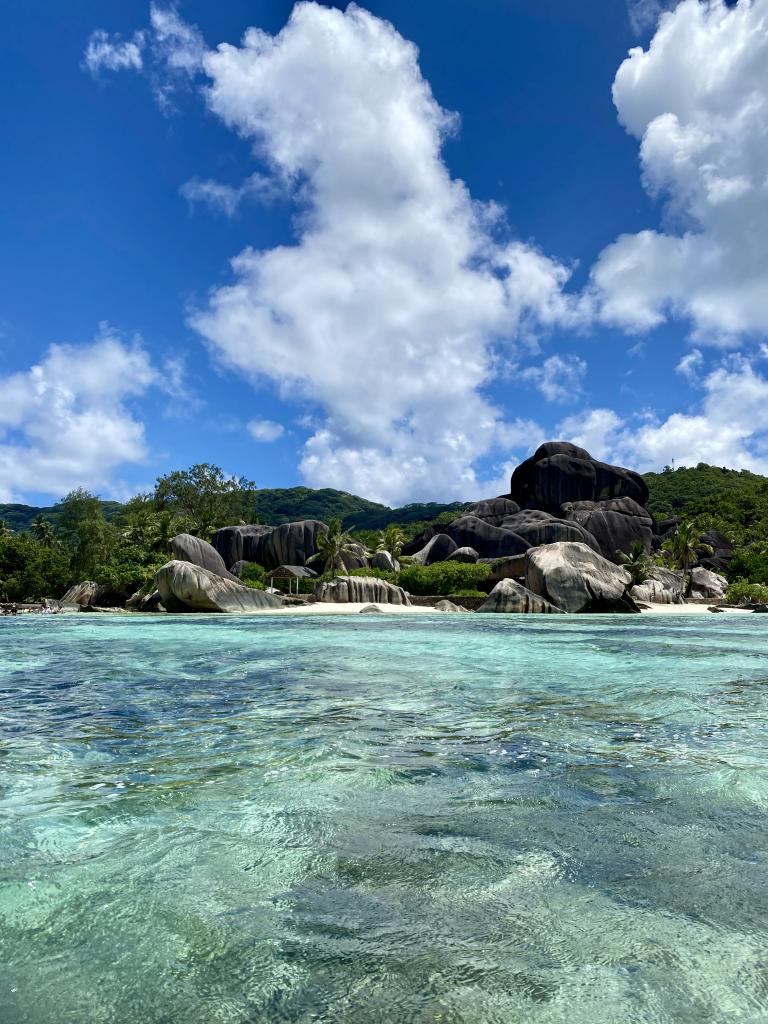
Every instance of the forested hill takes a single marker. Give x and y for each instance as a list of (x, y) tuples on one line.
[(735, 501), (279, 505)]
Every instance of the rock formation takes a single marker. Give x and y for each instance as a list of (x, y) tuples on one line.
[(366, 589), (438, 549), (577, 579), (384, 560), (510, 596), (467, 555), (184, 586), (706, 585), (269, 546), (487, 540), (187, 548), (664, 586)]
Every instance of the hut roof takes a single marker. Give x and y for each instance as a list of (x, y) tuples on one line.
[(289, 572)]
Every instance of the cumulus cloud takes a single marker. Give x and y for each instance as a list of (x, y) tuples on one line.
[(697, 99), (105, 52), (728, 427), (394, 307), (66, 421), (265, 431), (559, 378), (644, 14), (226, 199)]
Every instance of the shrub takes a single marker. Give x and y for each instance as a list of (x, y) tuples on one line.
[(743, 592), (441, 578), (379, 574), (253, 576), (468, 593)]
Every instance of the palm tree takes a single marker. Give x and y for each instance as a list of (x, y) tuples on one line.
[(333, 546), (391, 540), (43, 531), (683, 549), (637, 563)]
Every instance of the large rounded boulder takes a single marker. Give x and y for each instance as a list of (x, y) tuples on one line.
[(509, 596), (663, 586), (537, 527), (187, 548), (184, 586), (559, 472), (237, 543), (575, 578), (438, 549)]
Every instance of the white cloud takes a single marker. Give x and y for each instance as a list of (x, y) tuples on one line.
[(729, 427), (65, 422), (265, 431), (225, 198), (697, 99), (594, 429), (644, 14), (559, 378), (690, 366), (175, 42), (391, 310), (112, 53)]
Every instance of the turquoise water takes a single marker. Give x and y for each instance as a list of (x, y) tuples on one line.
[(384, 820)]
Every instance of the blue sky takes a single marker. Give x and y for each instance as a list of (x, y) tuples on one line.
[(443, 255)]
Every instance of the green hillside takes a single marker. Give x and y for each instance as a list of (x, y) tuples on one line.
[(21, 517), (731, 500)]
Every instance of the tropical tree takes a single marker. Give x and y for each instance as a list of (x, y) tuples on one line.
[(204, 496), (637, 562), (333, 546), (391, 540), (43, 532), (5, 530), (82, 524), (683, 548)]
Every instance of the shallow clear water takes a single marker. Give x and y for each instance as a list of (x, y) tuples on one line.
[(384, 820)]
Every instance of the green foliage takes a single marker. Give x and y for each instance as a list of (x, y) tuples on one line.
[(253, 575), (637, 562), (735, 502), (467, 593), (751, 563), (332, 547), (29, 571), (742, 592), (441, 578), (206, 498), (84, 529), (391, 539)]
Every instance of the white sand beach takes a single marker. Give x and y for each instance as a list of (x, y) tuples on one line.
[(691, 609)]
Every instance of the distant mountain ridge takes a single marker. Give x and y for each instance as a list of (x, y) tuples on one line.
[(279, 505), (738, 497)]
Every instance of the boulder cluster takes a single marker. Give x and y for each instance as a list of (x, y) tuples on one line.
[(553, 544)]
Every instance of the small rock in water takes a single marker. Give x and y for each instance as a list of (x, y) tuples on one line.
[(370, 608)]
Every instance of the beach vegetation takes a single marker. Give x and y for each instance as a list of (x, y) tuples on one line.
[(743, 592)]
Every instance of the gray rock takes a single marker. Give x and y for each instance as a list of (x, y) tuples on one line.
[(187, 548), (437, 550), (664, 586), (577, 579), (492, 510), (371, 609), (185, 586), (385, 561), (505, 568), (488, 541), (91, 595), (539, 528), (448, 606), (366, 589), (616, 524), (559, 472), (237, 543), (467, 555), (411, 547), (707, 585), (510, 596)]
